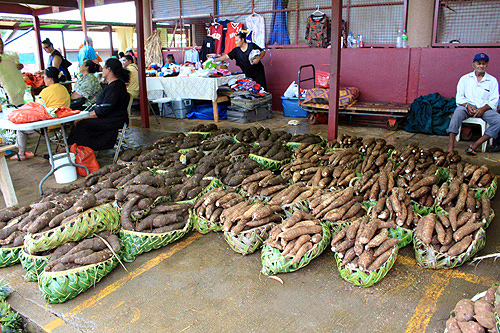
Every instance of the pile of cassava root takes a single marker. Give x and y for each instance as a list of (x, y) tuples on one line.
[(475, 316), (85, 252)]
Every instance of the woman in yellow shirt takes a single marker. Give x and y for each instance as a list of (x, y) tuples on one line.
[(54, 96)]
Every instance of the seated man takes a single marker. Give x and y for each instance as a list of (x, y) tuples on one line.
[(477, 96)]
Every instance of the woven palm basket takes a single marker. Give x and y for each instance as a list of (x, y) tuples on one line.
[(273, 262), (253, 198), (190, 169), (58, 287), (422, 210), (489, 191), (203, 225), (497, 303), (440, 210), (9, 256), (429, 258), (135, 243), (268, 163), (364, 278), (204, 134), (185, 150), (248, 241), (289, 209), (94, 220), (32, 264), (214, 183)]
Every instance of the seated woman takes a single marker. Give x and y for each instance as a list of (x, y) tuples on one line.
[(87, 86), (54, 96), (100, 129)]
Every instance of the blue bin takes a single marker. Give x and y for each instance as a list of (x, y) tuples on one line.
[(291, 108)]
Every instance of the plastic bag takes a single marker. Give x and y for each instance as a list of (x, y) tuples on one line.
[(292, 91), (29, 113), (84, 156), (63, 111), (323, 77), (206, 111)]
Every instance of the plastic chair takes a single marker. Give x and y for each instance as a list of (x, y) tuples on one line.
[(154, 85), (476, 121), (57, 139)]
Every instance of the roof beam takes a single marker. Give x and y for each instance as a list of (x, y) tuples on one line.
[(14, 8), (62, 3), (50, 10)]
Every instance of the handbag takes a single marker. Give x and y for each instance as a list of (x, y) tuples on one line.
[(84, 156), (323, 77)]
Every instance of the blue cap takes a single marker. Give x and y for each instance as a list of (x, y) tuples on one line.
[(481, 56)]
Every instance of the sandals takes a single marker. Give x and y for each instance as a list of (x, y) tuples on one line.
[(18, 158), (470, 151), (29, 154)]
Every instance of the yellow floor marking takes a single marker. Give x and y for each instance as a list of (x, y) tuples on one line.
[(427, 304), (53, 325), (391, 133), (115, 286)]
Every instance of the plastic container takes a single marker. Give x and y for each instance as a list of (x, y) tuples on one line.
[(181, 107), (291, 108), (65, 174), (404, 40), (27, 96), (399, 39)]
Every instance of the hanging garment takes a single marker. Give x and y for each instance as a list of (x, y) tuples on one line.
[(318, 31), (191, 55), (208, 47), (233, 28), (224, 24), (255, 22), (279, 33), (216, 32)]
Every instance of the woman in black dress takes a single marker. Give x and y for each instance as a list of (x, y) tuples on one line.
[(100, 129), (252, 68)]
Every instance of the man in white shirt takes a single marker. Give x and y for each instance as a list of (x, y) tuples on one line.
[(477, 96)]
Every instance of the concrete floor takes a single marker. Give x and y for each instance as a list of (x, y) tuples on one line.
[(200, 285)]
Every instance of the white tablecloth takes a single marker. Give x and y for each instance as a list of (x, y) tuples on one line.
[(193, 87)]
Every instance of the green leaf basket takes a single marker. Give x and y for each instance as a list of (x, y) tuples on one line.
[(429, 258), (204, 134), (489, 191), (268, 163), (422, 210), (58, 287), (214, 183), (186, 150), (248, 241), (496, 313), (94, 220), (363, 278), (9, 256), (203, 225), (404, 235), (32, 264), (440, 210), (289, 209), (273, 262), (135, 243)]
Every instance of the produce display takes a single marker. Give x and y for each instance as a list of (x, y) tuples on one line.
[(475, 315), (285, 193)]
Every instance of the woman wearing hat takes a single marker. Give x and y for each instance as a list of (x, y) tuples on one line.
[(54, 96), (248, 57), (100, 129)]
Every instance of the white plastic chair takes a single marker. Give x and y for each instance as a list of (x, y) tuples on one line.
[(476, 121), (154, 85)]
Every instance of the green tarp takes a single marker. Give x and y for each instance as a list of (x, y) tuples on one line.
[(430, 114)]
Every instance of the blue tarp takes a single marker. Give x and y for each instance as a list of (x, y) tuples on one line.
[(206, 111)]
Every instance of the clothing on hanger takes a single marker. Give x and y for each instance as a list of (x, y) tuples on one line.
[(207, 47), (191, 55), (224, 24), (233, 28), (216, 32), (255, 23), (318, 30)]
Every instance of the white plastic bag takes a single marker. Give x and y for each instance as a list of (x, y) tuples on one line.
[(292, 91)]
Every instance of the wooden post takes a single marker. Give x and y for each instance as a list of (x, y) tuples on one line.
[(335, 70), (110, 30), (36, 26), (143, 94)]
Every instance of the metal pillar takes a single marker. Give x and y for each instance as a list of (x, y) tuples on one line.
[(36, 26)]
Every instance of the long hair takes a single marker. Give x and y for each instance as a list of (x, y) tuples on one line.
[(116, 67), (92, 66), (55, 74)]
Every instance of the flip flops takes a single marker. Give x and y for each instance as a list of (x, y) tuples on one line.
[(29, 154), (470, 151), (18, 158)]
